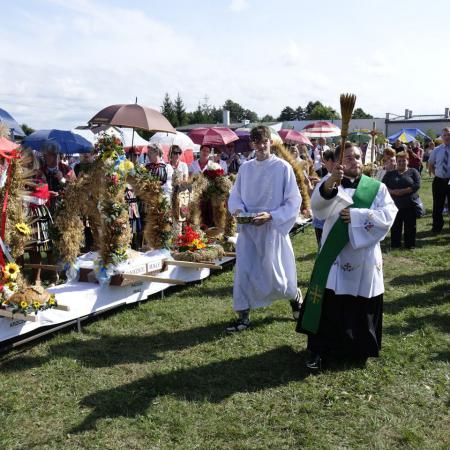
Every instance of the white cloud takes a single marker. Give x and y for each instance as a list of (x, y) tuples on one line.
[(93, 56), (239, 5)]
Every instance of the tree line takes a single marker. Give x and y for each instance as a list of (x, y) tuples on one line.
[(175, 112)]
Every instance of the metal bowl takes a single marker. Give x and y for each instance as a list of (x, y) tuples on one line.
[(243, 218)]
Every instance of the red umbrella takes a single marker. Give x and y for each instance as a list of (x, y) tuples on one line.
[(215, 136), (133, 116), (321, 129), (294, 137)]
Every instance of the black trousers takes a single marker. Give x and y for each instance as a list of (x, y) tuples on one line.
[(441, 191), (406, 217)]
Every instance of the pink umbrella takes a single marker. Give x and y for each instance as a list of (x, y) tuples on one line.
[(293, 137), (7, 146), (321, 129), (215, 136)]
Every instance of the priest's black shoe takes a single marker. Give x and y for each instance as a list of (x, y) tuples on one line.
[(314, 362)]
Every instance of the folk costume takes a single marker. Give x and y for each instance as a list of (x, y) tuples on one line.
[(342, 311), (265, 264), (39, 216)]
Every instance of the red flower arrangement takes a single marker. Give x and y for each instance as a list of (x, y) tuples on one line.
[(215, 173), (190, 240)]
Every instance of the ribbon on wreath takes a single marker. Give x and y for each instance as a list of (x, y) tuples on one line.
[(15, 154)]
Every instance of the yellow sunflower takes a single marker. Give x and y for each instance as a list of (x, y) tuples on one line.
[(36, 305), (11, 271), (24, 304), (11, 285), (124, 166), (51, 301), (23, 228)]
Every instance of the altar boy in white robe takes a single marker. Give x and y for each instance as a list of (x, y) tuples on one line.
[(343, 308), (265, 263)]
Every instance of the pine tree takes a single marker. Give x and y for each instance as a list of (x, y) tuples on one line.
[(168, 111), (180, 111)]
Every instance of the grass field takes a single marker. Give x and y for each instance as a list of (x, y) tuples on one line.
[(166, 375)]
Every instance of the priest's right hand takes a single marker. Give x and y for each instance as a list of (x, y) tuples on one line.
[(335, 179)]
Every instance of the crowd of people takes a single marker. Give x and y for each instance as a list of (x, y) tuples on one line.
[(342, 310)]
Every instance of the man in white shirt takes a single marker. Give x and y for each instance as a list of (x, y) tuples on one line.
[(439, 166)]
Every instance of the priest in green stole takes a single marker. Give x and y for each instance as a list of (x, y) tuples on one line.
[(343, 308)]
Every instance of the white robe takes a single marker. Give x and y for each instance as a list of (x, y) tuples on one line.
[(358, 270), (265, 263)]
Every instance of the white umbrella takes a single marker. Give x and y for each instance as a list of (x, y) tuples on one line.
[(92, 134), (182, 140), (127, 138), (87, 134)]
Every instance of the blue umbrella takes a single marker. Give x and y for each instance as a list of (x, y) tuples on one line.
[(68, 142), (11, 123), (410, 135)]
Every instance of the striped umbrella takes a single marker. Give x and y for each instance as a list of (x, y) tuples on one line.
[(321, 128)]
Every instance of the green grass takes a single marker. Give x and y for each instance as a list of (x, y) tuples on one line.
[(165, 375)]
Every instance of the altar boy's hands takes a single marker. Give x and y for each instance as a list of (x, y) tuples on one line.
[(261, 218)]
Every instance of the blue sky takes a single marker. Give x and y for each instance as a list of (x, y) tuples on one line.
[(62, 61)]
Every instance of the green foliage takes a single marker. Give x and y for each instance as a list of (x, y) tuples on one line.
[(287, 113), (268, 118), (313, 111), (238, 113), (323, 112), (180, 111), (168, 110), (26, 129), (359, 113), (431, 133), (380, 138)]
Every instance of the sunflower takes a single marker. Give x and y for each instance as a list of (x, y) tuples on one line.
[(11, 286), (11, 270), (24, 304), (51, 301), (126, 166), (36, 305), (23, 228)]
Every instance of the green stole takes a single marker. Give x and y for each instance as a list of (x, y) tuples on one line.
[(336, 240)]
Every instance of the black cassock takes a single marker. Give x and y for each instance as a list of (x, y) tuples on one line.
[(349, 326)]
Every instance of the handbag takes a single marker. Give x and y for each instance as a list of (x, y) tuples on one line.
[(419, 207)]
